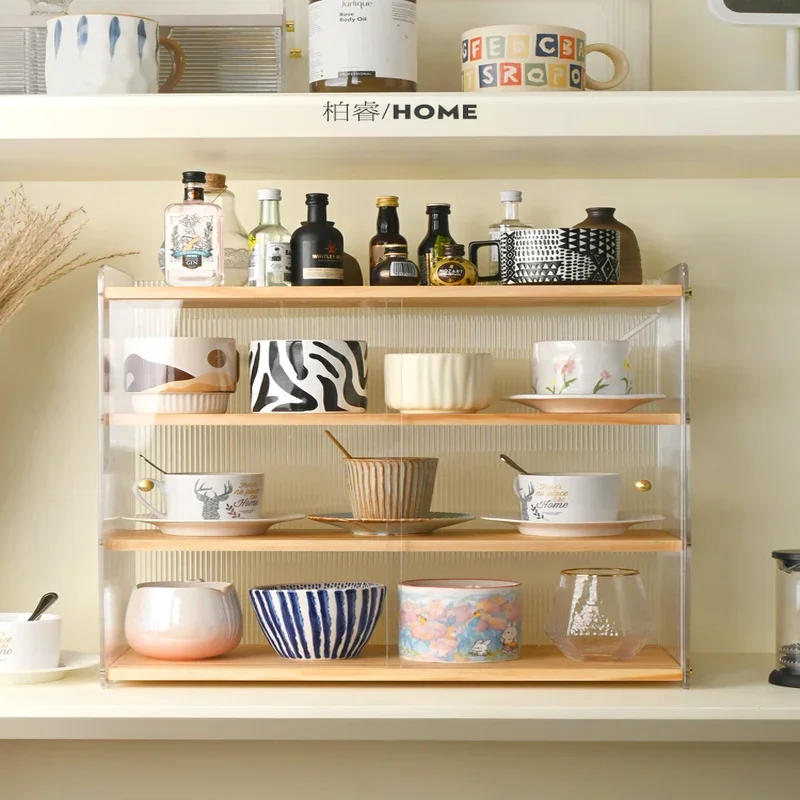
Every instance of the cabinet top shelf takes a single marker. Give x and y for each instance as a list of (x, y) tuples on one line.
[(406, 136), (402, 296)]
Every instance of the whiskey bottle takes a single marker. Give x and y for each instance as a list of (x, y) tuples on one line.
[(358, 46), (317, 248), (438, 235), (193, 237), (388, 230), (270, 249), (395, 269)]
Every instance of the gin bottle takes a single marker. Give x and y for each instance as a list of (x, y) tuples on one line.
[(509, 223), (193, 237), (270, 251)]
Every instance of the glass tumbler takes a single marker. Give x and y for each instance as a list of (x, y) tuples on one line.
[(787, 619), (600, 614), (50, 6)]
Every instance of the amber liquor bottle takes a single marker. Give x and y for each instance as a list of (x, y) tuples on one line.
[(317, 248), (388, 230)]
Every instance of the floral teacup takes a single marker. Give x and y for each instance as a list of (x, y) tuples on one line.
[(582, 367), (456, 620)]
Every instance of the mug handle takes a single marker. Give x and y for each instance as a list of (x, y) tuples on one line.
[(178, 64), (473, 255), (621, 66), (147, 485)]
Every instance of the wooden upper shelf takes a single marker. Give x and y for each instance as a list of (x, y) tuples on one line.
[(400, 296)]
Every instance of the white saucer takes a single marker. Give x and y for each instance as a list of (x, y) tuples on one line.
[(69, 661), (583, 403), (239, 527), (392, 527), (574, 530)]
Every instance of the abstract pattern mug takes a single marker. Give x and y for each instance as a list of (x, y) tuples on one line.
[(91, 54), (533, 58)]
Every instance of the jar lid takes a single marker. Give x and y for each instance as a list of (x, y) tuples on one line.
[(194, 177), (453, 249), (388, 200), (787, 556), (214, 180)]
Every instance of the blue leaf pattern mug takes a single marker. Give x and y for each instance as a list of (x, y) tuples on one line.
[(95, 54)]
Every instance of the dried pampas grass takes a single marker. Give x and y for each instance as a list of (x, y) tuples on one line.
[(31, 243)]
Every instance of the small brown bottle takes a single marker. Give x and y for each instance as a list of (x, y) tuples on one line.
[(452, 269), (395, 269), (388, 229)]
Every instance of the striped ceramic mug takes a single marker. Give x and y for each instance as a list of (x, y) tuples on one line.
[(391, 488)]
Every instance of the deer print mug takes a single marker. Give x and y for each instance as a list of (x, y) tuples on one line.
[(205, 497), (587, 497)]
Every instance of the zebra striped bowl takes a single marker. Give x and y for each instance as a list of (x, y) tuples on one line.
[(318, 621)]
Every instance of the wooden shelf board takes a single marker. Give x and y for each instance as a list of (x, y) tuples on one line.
[(466, 541), (376, 665), (649, 295), (393, 420)]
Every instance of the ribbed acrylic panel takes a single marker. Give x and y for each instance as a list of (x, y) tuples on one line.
[(22, 52), (304, 472), (231, 59)]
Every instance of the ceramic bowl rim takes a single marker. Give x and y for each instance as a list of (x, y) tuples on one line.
[(218, 586), (23, 615), (542, 475), (177, 338), (404, 459), (430, 583), (329, 586), (362, 342), (435, 355), (585, 341)]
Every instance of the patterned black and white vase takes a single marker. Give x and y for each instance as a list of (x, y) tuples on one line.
[(308, 375), (318, 621), (560, 256)]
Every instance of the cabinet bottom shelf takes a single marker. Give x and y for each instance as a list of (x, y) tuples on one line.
[(376, 665)]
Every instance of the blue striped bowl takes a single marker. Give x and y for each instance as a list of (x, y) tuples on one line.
[(318, 620)]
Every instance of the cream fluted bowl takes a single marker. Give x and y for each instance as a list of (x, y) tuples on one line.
[(438, 383)]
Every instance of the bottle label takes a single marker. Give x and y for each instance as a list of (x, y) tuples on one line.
[(278, 260), (451, 272), (323, 274), (191, 240), (364, 38), (402, 269)]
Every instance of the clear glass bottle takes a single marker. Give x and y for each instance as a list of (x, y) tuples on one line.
[(510, 222), (787, 619), (234, 235), (194, 254), (270, 249)]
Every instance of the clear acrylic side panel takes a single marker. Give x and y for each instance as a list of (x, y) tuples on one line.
[(674, 450)]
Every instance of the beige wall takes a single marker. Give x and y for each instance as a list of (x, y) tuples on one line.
[(736, 237)]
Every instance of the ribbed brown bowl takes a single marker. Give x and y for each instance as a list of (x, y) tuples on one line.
[(391, 488)]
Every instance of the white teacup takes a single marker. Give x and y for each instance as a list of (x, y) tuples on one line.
[(588, 497), (582, 367), (206, 497), (89, 54), (29, 645)]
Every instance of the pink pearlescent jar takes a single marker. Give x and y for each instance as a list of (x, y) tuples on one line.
[(183, 621)]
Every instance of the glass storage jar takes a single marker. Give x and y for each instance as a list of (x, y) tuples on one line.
[(787, 619)]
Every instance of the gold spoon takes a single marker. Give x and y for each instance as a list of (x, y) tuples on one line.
[(513, 464), (338, 444)]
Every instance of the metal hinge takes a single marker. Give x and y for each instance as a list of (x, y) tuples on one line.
[(295, 52), (687, 292), (289, 26)]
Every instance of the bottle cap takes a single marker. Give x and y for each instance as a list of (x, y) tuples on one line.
[(437, 208), (453, 249), (316, 199), (387, 201), (194, 177), (269, 194), (215, 181), (511, 197)]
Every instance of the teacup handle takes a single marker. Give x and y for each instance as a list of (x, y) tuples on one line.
[(178, 64), (621, 66), (147, 485), (473, 256)]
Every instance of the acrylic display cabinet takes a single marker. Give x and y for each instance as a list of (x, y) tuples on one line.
[(305, 474)]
